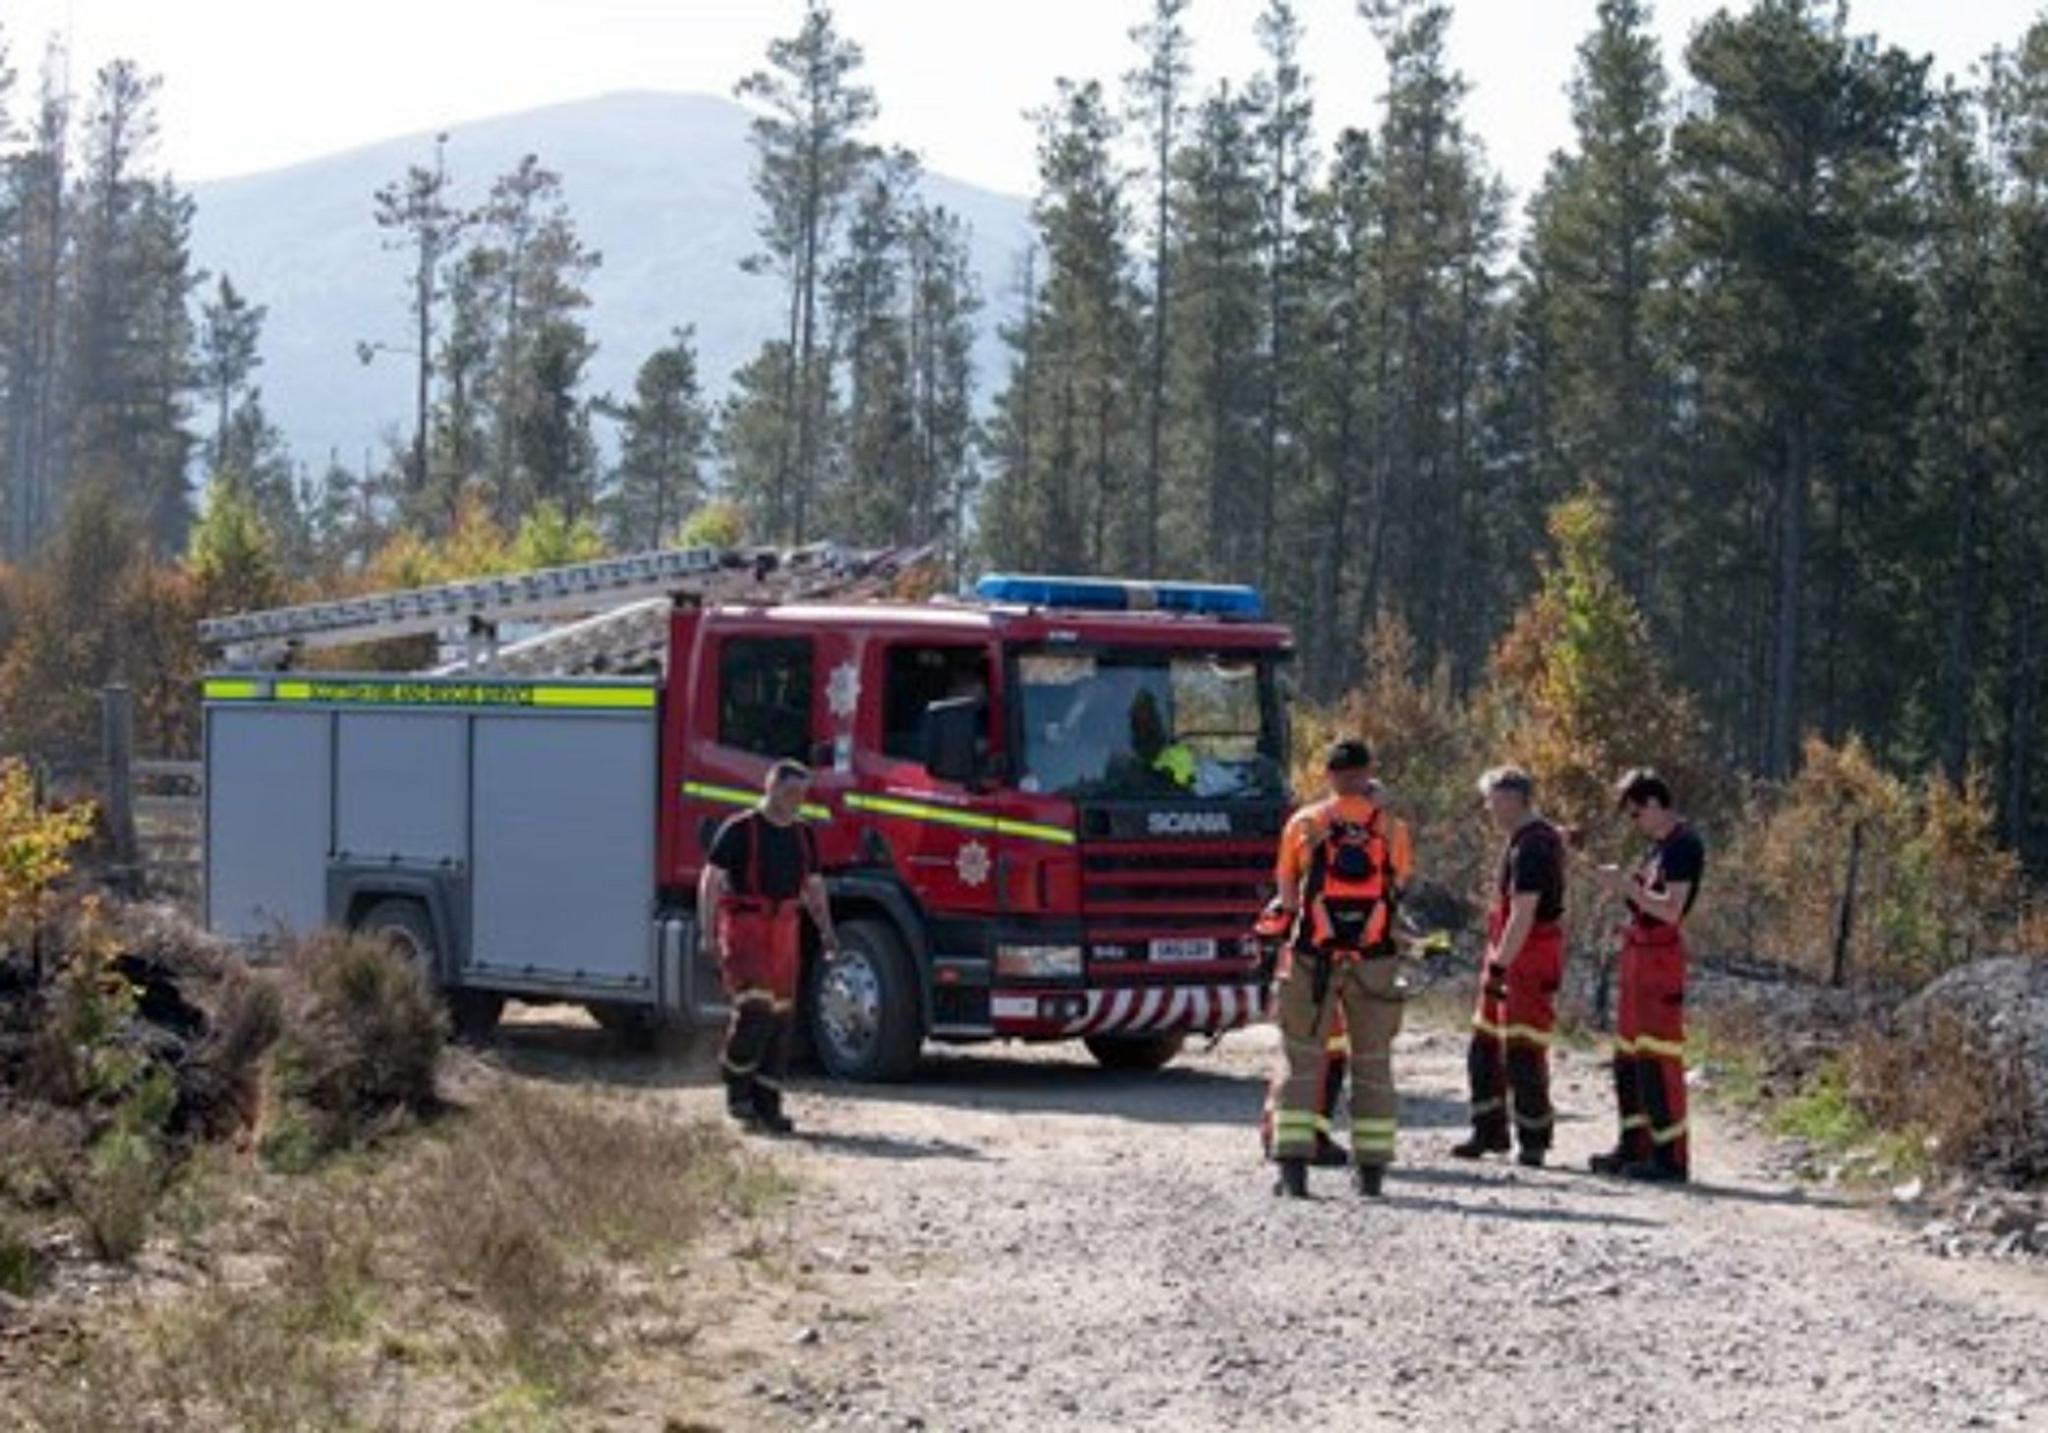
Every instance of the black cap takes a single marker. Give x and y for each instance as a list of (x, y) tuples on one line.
[(1350, 754)]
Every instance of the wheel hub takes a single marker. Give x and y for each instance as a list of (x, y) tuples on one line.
[(850, 1003)]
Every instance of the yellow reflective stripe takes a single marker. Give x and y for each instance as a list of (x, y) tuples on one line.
[(1624, 1047), (1671, 1135), (1376, 1126), (1322, 1124), (1338, 1045), (1672, 1048), (224, 690), (1636, 1122), (737, 796), (1297, 1120), (607, 698), (963, 820), (436, 693), (1529, 1033), (1485, 1028), (1488, 1107)]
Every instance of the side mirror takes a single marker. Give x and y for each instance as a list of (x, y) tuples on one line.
[(952, 731)]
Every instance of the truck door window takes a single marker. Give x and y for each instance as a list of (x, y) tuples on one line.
[(915, 677), (764, 696)]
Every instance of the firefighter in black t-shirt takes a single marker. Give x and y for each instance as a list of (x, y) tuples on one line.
[(1649, 1047), (1509, 1059), (762, 864)]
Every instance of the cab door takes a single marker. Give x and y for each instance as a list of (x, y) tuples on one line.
[(943, 835)]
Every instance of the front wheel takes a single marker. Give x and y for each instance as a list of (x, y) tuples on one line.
[(1137, 1053), (865, 1015)]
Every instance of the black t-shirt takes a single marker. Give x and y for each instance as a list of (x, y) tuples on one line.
[(788, 854), (1680, 857), (1534, 862)]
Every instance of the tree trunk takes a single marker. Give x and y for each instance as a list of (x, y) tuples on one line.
[(1788, 634)]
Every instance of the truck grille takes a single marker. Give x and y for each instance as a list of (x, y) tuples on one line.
[(1190, 886)]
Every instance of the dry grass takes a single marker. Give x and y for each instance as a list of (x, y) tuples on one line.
[(362, 1042), (491, 1269), (1967, 1104)]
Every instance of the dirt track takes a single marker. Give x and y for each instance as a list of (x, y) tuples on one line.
[(1020, 1240)]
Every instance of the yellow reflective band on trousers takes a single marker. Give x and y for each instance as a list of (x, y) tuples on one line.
[(1375, 1135), (1669, 1136), (1669, 1049), (1528, 1033), (962, 820), (740, 796)]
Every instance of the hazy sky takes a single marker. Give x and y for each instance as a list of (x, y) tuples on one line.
[(253, 84)]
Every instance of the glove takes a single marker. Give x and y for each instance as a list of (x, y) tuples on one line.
[(1274, 922), (1496, 978)]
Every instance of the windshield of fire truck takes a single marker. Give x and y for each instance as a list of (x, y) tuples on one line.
[(1148, 725)]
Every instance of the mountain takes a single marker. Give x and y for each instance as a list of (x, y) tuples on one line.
[(658, 183)]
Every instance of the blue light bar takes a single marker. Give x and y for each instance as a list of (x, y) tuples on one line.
[(1109, 594)]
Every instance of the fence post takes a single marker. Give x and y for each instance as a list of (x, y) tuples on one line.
[(117, 752), (1846, 915)]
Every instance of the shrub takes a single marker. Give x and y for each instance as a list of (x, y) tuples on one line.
[(362, 1041)]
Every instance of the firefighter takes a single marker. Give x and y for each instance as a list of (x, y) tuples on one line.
[(1649, 1048), (1342, 863), (1512, 1029), (762, 864)]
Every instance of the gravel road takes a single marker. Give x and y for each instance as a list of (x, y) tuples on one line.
[(1019, 1240)]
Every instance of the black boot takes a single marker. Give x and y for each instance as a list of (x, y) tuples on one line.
[(1531, 1158), (1330, 1154), (768, 1113), (1481, 1144), (740, 1104), (1371, 1180), (1293, 1179), (1614, 1161)]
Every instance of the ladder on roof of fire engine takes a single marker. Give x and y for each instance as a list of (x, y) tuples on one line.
[(643, 583)]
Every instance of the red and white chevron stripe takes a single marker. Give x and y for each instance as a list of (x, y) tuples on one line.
[(1160, 1009)]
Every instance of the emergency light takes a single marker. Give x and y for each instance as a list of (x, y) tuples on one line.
[(1111, 594)]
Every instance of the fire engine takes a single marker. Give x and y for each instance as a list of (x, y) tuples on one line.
[(1047, 809)]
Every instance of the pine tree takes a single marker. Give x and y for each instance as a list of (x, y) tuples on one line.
[(1217, 391), (664, 434), (1281, 101), (808, 158), (943, 302), (1156, 102), (129, 363), (230, 338), (870, 497), (531, 270), (1069, 506), (1600, 230), (420, 219), (1793, 205)]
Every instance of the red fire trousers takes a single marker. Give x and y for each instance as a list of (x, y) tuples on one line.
[(760, 952), (1508, 1062), (1649, 1051)]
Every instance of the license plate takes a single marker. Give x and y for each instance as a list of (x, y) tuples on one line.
[(1176, 951)]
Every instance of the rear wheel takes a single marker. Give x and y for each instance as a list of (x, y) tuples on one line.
[(865, 1016), (407, 928), (1139, 1053)]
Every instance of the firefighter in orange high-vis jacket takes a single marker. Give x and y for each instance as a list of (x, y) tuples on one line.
[(1343, 862), (761, 867), (1512, 1028)]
